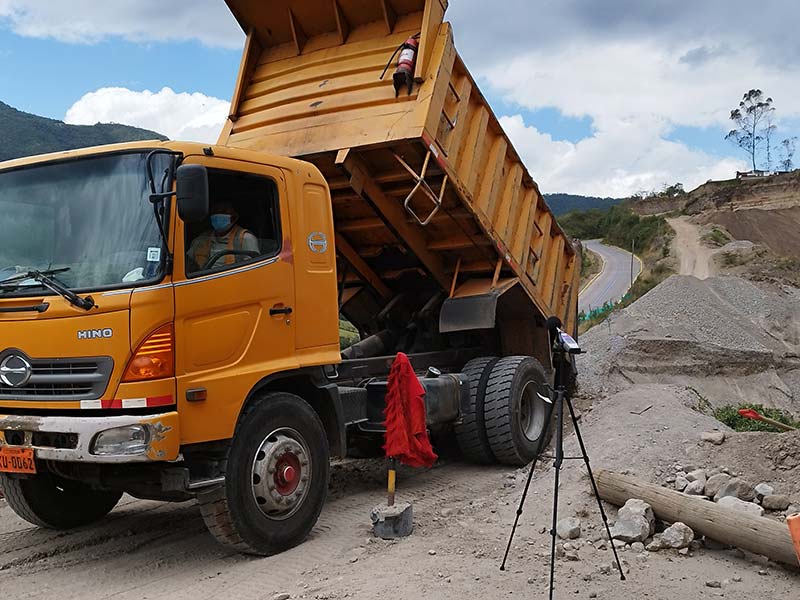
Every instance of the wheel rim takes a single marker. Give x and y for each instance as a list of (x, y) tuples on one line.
[(281, 473), (531, 412)]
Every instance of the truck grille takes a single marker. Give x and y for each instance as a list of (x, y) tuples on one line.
[(61, 379)]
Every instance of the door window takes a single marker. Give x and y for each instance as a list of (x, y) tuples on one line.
[(243, 224)]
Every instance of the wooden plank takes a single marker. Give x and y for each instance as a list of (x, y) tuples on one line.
[(393, 215), (521, 240), (463, 90), (389, 16), (432, 18), (252, 49), (509, 201), (492, 172), (467, 161), (759, 535), (299, 37), (460, 242), (342, 26), (352, 256)]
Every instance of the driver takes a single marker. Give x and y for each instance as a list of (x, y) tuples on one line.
[(224, 235)]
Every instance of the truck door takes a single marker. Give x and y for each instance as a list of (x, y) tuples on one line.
[(234, 296)]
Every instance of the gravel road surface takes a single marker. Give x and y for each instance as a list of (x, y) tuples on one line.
[(613, 280)]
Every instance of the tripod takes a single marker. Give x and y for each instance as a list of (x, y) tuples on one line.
[(563, 347)]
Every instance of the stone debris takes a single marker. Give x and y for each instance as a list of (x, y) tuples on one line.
[(696, 488), (713, 437), (775, 502), (569, 528), (738, 488), (715, 482), (677, 536), (763, 489), (740, 505), (681, 483), (635, 522)]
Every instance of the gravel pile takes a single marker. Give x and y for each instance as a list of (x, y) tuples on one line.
[(701, 334)]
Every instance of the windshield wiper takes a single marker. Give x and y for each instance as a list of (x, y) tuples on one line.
[(44, 277), (27, 275)]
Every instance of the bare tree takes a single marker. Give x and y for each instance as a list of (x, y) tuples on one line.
[(751, 118), (769, 129), (787, 153)]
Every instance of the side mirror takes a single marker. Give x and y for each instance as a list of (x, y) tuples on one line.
[(192, 192)]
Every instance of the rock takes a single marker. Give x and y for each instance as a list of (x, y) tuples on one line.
[(763, 489), (605, 570), (714, 437), (737, 578), (635, 522), (738, 488), (793, 509), (637, 547), (740, 505), (391, 522), (684, 551), (681, 483), (678, 535), (696, 475), (569, 528), (775, 502), (571, 555), (715, 482), (282, 596), (432, 552), (695, 488), (713, 584)]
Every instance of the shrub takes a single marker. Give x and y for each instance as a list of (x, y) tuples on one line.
[(729, 415)]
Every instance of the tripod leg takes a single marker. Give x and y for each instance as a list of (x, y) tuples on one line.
[(557, 466), (594, 486), (539, 450)]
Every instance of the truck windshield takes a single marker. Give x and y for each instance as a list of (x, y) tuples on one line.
[(90, 218)]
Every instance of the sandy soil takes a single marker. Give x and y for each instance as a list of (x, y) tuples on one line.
[(695, 258), (775, 229)]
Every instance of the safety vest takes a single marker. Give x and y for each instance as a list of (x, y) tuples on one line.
[(235, 239)]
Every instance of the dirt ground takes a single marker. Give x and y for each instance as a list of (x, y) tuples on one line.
[(694, 258), (775, 229), (649, 428)]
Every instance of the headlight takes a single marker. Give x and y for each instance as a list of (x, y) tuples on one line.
[(121, 441)]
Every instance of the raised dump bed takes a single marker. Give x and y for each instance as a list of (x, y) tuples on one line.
[(429, 196)]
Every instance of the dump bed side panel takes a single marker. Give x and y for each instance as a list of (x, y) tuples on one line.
[(428, 192)]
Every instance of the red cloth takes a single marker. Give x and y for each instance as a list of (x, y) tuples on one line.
[(406, 431)]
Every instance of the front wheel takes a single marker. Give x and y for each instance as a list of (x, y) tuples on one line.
[(49, 501), (276, 478)]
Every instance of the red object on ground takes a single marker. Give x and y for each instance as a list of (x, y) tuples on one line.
[(749, 413), (406, 431)]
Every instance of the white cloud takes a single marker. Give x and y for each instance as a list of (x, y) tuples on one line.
[(639, 79), (627, 157), (89, 21), (180, 116)]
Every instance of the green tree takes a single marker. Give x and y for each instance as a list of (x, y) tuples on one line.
[(752, 118), (787, 153)]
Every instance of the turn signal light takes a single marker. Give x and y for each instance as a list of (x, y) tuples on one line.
[(154, 358)]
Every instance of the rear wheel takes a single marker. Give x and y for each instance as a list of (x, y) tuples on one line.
[(515, 416), (47, 500), (470, 432), (276, 478)]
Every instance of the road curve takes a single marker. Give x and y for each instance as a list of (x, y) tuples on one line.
[(613, 280)]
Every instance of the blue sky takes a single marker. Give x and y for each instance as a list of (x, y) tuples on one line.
[(602, 102)]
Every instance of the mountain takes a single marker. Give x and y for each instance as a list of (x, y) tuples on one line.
[(561, 204), (25, 134)]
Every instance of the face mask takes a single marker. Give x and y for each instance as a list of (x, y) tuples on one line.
[(220, 222)]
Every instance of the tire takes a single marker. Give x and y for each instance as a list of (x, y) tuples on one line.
[(256, 511), (49, 501), (515, 416), (470, 432)]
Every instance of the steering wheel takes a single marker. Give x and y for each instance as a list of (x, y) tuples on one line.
[(217, 255)]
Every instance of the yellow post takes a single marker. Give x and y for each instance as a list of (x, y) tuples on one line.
[(392, 478)]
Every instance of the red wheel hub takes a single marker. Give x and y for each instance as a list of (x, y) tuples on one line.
[(287, 474)]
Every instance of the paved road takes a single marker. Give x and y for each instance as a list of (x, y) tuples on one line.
[(613, 281)]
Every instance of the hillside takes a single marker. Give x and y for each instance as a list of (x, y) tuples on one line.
[(561, 204), (25, 134)]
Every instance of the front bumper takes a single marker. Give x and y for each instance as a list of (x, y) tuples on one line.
[(163, 444)]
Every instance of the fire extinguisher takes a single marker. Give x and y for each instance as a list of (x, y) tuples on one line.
[(406, 63)]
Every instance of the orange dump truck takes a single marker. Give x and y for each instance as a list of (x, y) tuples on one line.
[(169, 312)]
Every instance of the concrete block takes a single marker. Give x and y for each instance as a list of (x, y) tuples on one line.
[(390, 522)]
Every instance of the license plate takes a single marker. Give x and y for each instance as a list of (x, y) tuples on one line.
[(17, 460)]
